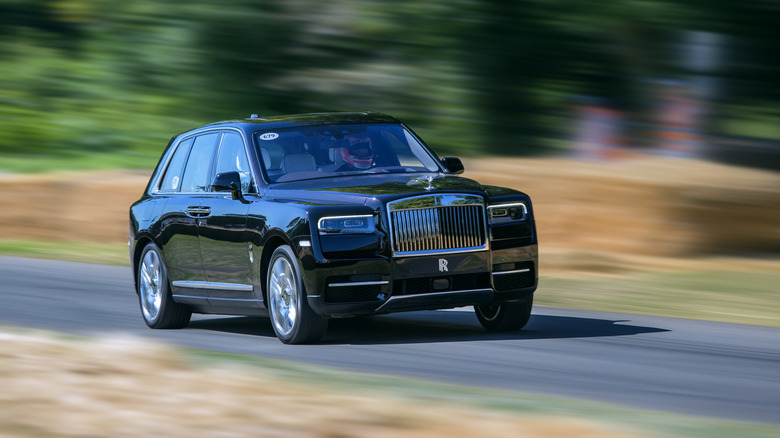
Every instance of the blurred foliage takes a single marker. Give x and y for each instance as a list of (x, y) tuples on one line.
[(86, 76)]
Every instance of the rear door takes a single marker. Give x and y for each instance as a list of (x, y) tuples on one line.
[(183, 211), (178, 231)]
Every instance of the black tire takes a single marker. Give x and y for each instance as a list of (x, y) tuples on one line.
[(506, 316), (154, 293), (293, 321)]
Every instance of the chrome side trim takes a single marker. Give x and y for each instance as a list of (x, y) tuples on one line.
[(210, 285), (243, 300), (516, 271), (360, 283)]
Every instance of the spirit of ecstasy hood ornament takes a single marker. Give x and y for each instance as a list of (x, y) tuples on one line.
[(430, 183), (427, 180)]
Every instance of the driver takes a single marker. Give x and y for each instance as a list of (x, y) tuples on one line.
[(358, 156)]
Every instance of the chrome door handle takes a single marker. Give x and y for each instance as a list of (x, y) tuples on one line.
[(198, 211)]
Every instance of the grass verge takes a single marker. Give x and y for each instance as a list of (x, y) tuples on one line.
[(742, 297), (101, 253), (127, 387)]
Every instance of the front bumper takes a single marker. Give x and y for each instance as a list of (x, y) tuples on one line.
[(352, 287)]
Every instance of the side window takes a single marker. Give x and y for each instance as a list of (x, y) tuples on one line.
[(232, 156), (196, 173), (172, 178)]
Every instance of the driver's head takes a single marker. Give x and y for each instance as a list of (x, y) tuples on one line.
[(359, 155)]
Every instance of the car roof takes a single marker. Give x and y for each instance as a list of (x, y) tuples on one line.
[(288, 121)]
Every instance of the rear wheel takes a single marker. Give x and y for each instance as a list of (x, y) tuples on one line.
[(154, 293), (294, 322), (505, 316)]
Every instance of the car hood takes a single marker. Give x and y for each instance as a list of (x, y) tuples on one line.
[(372, 189)]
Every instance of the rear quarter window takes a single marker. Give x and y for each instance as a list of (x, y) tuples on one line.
[(172, 178)]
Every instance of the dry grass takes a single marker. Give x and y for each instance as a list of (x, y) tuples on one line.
[(643, 209), (126, 388), (82, 207), (645, 206)]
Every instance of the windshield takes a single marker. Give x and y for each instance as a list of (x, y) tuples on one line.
[(309, 152)]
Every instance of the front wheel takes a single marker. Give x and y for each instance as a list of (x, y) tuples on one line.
[(294, 322), (154, 294), (506, 316)]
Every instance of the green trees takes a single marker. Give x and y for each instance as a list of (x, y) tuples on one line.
[(470, 75)]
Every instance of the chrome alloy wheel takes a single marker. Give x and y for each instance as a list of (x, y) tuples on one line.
[(151, 290), (283, 296)]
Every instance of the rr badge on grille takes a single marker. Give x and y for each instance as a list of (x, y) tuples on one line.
[(443, 265)]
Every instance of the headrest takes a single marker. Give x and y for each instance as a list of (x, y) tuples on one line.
[(299, 163)]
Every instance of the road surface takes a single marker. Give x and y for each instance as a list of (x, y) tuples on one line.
[(701, 368)]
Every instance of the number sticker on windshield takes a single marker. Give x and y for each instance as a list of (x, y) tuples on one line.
[(269, 136)]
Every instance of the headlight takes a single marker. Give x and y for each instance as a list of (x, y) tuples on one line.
[(346, 225), (501, 213)]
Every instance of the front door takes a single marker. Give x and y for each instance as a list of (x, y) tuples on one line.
[(224, 241)]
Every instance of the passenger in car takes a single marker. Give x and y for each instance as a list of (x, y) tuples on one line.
[(358, 156)]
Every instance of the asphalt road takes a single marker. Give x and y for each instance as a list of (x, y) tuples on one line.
[(702, 368)]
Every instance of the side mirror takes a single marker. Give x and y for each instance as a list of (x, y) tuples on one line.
[(453, 165), (228, 182)]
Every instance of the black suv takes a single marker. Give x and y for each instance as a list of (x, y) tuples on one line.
[(317, 216)]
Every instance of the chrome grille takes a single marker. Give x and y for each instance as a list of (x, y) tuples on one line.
[(439, 227)]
